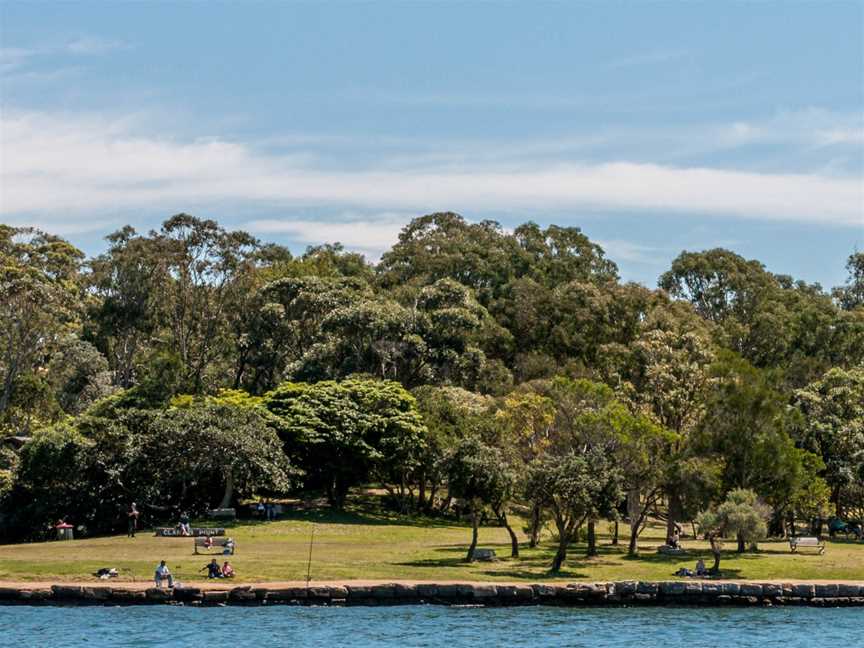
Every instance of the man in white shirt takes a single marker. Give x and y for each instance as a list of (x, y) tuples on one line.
[(163, 573)]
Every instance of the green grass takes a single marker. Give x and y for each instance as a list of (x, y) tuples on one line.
[(363, 543)]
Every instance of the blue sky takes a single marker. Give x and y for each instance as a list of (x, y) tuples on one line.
[(655, 127)]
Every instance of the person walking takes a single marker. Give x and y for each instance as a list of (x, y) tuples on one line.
[(132, 517)]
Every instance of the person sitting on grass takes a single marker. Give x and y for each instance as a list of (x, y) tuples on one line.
[(213, 569), (701, 570), (163, 574), (229, 547), (227, 570)]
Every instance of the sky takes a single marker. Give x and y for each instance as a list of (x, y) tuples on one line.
[(655, 127)]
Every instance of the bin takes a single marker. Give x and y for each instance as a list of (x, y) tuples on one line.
[(65, 532)]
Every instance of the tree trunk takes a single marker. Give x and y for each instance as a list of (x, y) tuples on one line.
[(560, 555), (228, 495), (635, 513), (474, 524), (421, 490), (615, 533), (536, 514), (501, 514), (592, 538), (674, 513), (715, 549), (741, 546)]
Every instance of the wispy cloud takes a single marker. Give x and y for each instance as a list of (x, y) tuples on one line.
[(90, 45), (369, 234), (648, 58), (55, 164)]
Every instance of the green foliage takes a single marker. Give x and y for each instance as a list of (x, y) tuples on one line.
[(345, 432), (741, 515), (832, 426)]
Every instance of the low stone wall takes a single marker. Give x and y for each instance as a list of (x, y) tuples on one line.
[(621, 593)]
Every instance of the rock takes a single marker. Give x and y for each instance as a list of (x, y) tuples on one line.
[(485, 555), (711, 590), (97, 594), (803, 591), (672, 588), (847, 591), (827, 591), (750, 589), (384, 591), (338, 592), (158, 594), (545, 592), (427, 591), (624, 588), (187, 594), (9, 594), (406, 592), (484, 592), (215, 596), (66, 592), (646, 587), (242, 594), (772, 590), (319, 594), (731, 589), (460, 593)]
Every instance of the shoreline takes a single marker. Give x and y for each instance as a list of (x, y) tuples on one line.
[(706, 593)]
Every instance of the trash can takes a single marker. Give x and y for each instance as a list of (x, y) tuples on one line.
[(64, 531)]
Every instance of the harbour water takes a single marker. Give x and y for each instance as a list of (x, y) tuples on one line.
[(409, 626)]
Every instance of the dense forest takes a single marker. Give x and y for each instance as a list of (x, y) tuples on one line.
[(471, 369)]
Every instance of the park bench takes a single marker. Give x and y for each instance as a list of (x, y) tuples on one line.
[(807, 541), (217, 543)]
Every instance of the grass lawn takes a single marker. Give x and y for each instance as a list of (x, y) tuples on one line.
[(363, 543)]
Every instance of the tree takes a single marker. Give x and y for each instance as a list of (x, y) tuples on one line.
[(342, 432), (574, 487), (747, 427), (39, 300), (833, 427), (851, 296), (741, 515), (481, 477), (449, 414)]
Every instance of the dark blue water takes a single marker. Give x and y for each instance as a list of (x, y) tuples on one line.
[(532, 627)]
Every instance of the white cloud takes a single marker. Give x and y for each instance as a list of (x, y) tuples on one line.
[(56, 164), (371, 235)]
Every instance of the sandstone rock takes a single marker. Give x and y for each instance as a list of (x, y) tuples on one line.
[(647, 587), (827, 591), (848, 590), (427, 591), (9, 593), (157, 594), (215, 596), (484, 592), (97, 594), (772, 590), (384, 591), (750, 589), (624, 588), (803, 591), (66, 592), (544, 592), (672, 588), (731, 589)]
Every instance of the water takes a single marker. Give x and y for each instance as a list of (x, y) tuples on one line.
[(406, 626)]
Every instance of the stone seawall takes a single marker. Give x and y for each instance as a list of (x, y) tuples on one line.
[(620, 593)]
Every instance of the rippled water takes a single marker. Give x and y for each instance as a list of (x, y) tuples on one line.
[(532, 627)]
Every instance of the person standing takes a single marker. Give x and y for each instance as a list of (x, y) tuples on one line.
[(132, 517)]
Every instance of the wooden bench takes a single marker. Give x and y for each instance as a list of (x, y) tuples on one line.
[(807, 541), (211, 542)]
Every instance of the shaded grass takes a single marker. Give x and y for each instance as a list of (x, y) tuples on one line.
[(364, 542)]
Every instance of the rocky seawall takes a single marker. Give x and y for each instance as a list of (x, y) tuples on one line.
[(619, 593)]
